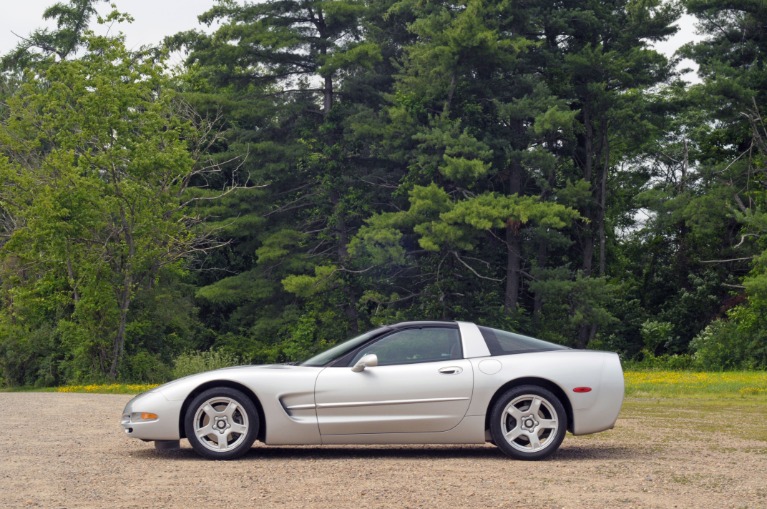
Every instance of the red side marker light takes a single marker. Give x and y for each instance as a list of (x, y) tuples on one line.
[(582, 389)]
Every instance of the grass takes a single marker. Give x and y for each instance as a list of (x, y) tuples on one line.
[(701, 419), (675, 384), (107, 389), (703, 404)]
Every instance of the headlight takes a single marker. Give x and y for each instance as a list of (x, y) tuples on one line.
[(142, 417)]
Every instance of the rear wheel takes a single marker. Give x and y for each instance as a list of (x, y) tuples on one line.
[(528, 423), (221, 423)]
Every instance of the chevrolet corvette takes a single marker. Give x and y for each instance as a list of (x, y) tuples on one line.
[(408, 383)]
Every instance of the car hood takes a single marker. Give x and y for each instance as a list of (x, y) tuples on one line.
[(180, 388)]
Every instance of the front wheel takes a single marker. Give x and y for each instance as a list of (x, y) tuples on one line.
[(221, 423), (528, 423)]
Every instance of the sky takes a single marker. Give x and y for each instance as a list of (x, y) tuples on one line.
[(154, 19)]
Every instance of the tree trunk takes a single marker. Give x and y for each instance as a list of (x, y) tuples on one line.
[(342, 255), (587, 242), (602, 209), (124, 266), (588, 149), (327, 96), (119, 341), (541, 257), (72, 280), (327, 89), (513, 263), (513, 244), (542, 253)]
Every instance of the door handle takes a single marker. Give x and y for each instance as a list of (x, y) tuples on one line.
[(451, 370)]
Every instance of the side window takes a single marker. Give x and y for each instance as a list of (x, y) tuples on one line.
[(504, 343), (429, 344)]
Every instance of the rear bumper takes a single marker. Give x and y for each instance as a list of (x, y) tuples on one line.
[(603, 414)]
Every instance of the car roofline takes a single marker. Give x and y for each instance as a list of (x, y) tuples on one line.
[(424, 323)]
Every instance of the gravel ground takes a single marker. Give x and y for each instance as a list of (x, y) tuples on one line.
[(68, 451)]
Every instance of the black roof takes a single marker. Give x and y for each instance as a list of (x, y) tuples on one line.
[(423, 323)]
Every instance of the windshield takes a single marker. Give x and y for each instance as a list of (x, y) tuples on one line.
[(342, 349)]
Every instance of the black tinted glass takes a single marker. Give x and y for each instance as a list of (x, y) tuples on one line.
[(427, 344), (326, 357), (504, 343)]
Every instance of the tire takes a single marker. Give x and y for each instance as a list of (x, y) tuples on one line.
[(528, 423), (221, 423)]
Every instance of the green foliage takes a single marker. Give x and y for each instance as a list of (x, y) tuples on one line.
[(234, 289), (376, 244), (664, 362), (532, 166), (656, 334), (306, 286), (442, 223), (28, 356), (96, 161), (307, 336), (569, 302), (72, 21), (190, 363), (737, 343), (145, 367)]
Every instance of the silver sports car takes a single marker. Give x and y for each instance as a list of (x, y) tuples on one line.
[(410, 383)]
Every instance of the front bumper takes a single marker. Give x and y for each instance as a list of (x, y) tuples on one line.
[(165, 427)]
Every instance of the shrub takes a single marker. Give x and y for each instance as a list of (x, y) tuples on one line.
[(730, 344), (28, 356), (657, 335), (190, 363), (146, 368), (666, 362)]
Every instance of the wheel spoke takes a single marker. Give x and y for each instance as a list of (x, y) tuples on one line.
[(535, 406), (548, 424), (515, 412), (238, 428), (535, 442), (223, 440), (513, 434), (230, 409), (205, 430), (209, 410)]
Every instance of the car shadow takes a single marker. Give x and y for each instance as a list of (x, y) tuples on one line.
[(597, 453), (330, 452), (351, 452)]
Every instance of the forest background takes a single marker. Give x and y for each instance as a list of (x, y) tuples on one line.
[(316, 168)]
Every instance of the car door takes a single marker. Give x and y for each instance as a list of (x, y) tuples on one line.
[(421, 384)]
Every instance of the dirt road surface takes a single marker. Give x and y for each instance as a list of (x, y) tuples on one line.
[(68, 451)]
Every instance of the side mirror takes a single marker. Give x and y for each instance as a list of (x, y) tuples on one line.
[(366, 361)]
